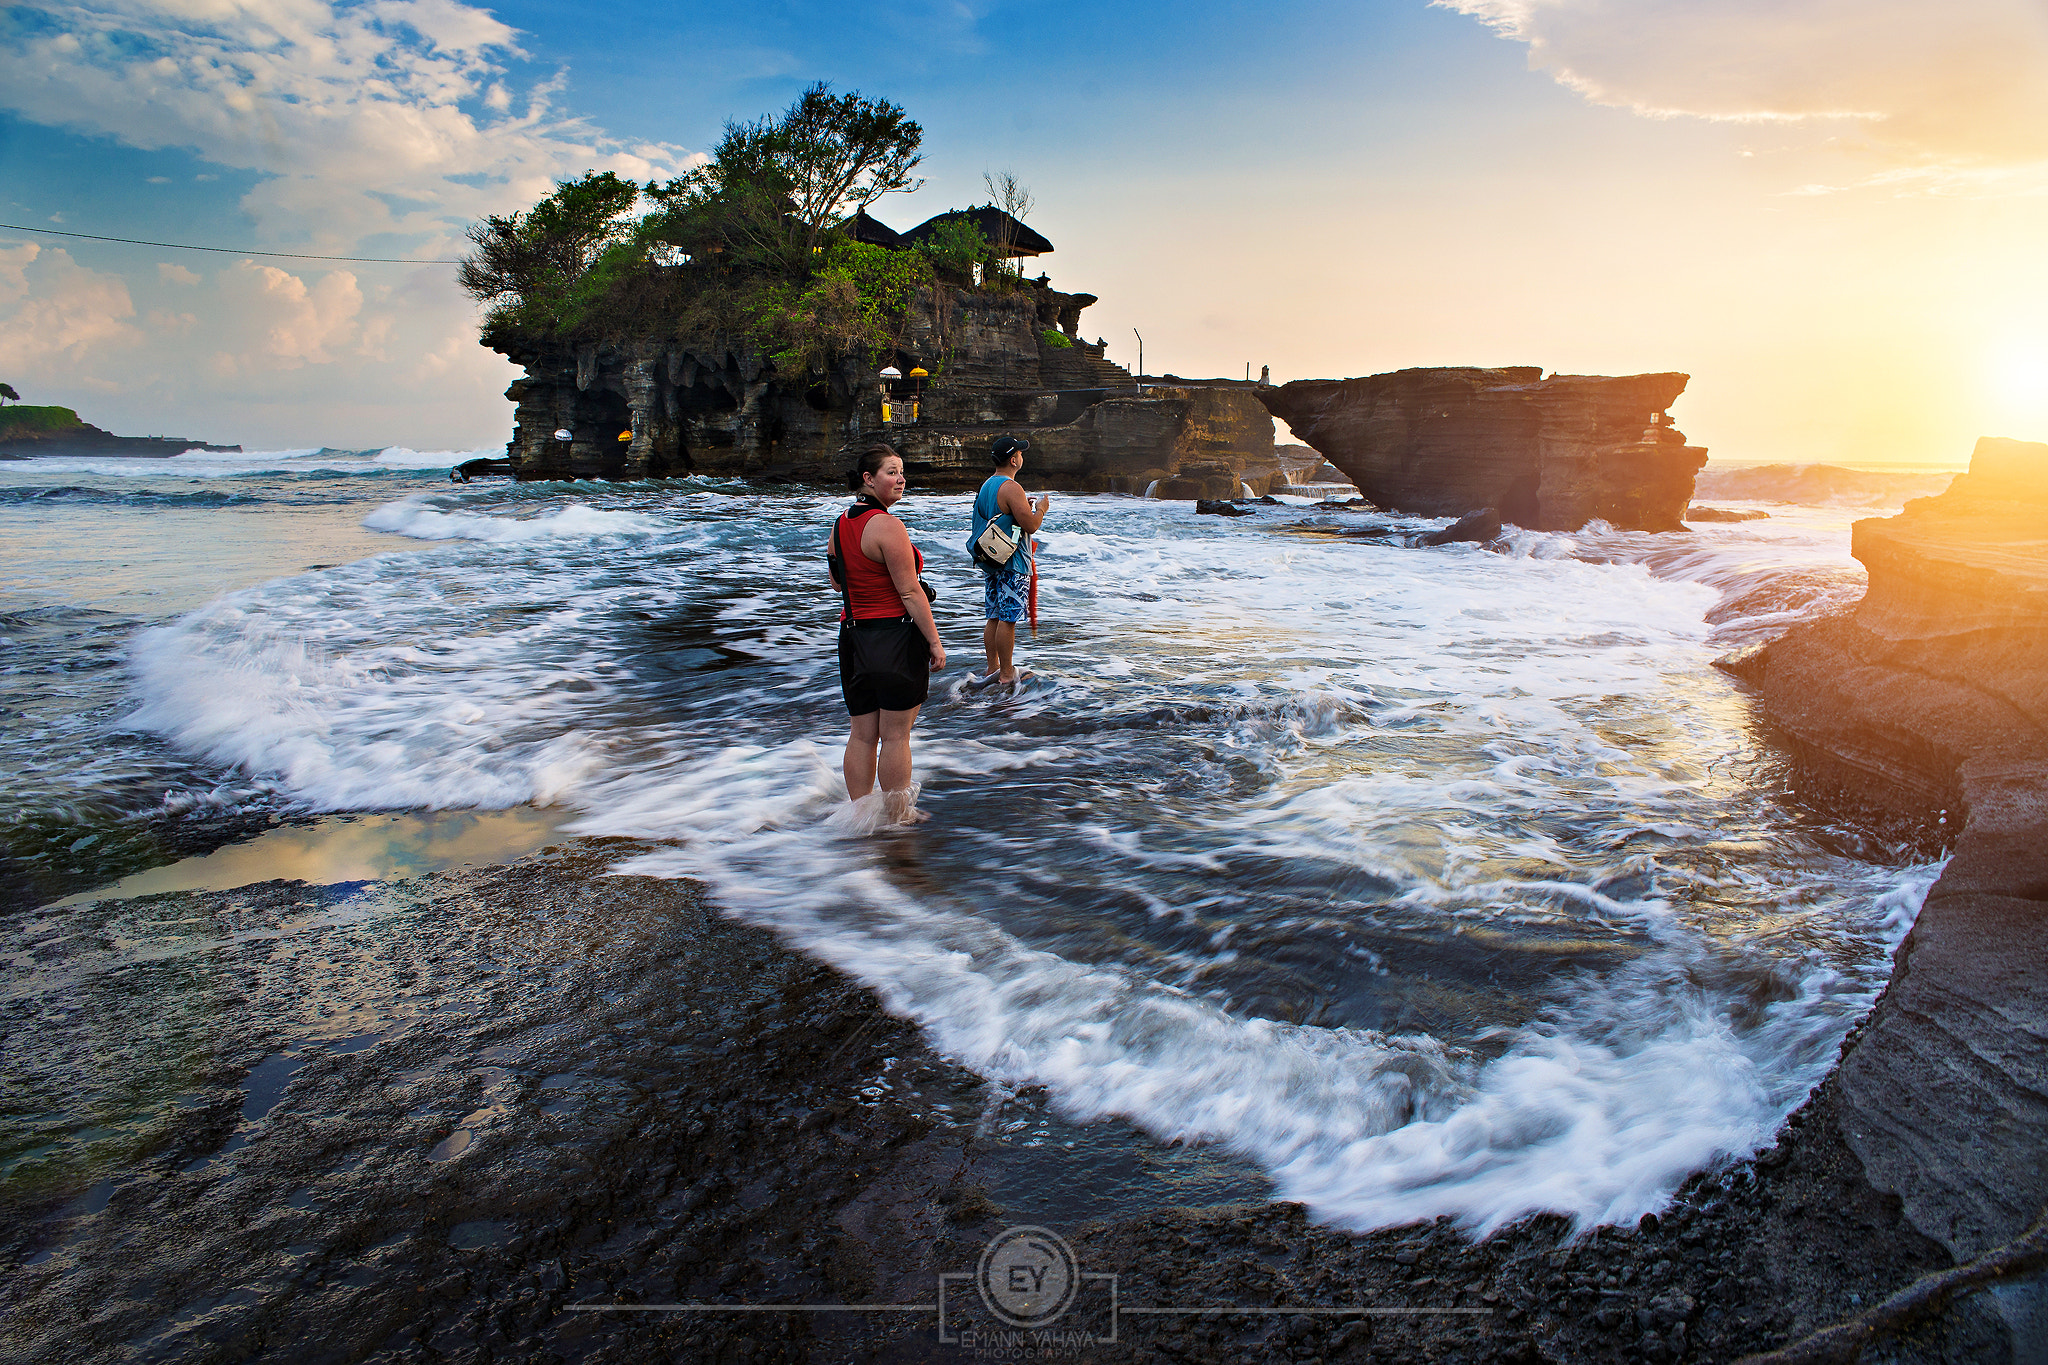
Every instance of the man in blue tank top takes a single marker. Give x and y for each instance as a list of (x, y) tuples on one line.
[(1006, 587)]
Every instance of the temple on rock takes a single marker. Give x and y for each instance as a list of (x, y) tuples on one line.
[(969, 360)]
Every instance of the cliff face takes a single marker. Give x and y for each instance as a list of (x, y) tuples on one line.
[(716, 405), (1931, 699), (1547, 454)]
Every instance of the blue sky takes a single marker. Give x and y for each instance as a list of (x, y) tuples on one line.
[(1827, 213)]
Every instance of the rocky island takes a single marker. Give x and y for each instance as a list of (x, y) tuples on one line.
[(744, 326), (1546, 454)]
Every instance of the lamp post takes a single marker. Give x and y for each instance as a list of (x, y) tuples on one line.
[(1141, 358)]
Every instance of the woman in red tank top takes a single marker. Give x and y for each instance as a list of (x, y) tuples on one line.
[(888, 642)]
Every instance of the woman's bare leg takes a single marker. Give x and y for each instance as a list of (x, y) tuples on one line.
[(895, 764), (859, 762)]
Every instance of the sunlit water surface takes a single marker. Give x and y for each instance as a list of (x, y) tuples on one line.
[(1432, 881)]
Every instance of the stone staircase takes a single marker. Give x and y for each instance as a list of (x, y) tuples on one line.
[(1082, 366)]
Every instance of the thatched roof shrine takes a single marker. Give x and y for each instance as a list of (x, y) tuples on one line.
[(1010, 237), (862, 228)]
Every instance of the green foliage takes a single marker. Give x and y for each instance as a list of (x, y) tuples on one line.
[(528, 264), (885, 280), (955, 246), (19, 420), (775, 188), (750, 244), (1055, 338), (856, 301), (8, 395)]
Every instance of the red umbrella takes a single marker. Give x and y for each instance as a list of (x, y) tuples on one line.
[(1034, 588)]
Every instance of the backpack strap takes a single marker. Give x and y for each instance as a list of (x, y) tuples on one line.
[(835, 558)]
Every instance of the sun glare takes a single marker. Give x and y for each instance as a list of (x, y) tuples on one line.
[(2020, 379)]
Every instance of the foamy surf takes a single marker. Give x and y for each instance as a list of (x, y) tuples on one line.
[(414, 518), (1434, 881)]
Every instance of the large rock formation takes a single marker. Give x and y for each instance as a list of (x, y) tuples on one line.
[(1931, 700), (1547, 454), (717, 405)]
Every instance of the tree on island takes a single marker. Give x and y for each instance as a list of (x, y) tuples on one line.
[(1005, 193), (8, 395), (753, 243), (551, 246), (774, 188)]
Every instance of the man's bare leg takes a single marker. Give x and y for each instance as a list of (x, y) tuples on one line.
[(990, 633), (1005, 641)]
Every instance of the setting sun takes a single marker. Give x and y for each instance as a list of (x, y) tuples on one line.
[(2019, 378)]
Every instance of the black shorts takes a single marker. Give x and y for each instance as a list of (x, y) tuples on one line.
[(883, 666)]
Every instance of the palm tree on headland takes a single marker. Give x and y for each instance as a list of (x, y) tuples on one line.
[(8, 395)]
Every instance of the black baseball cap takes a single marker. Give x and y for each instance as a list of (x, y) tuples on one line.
[(1003, 447)]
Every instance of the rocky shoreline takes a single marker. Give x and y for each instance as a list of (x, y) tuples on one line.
[(1929, 704), (376, 1153)]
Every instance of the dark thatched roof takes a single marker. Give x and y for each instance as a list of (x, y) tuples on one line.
[(862, 228), (997, 226)]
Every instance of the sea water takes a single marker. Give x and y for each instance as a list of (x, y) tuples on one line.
[(1446, 881)]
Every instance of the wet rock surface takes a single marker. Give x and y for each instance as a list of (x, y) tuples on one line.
[(488, 1114), (1930, 701), (1474, 528), (1551, 454)]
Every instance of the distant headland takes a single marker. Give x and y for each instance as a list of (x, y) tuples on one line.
[(27, 431)]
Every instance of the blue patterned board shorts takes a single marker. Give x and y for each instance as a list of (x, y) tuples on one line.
[(1003, 595)]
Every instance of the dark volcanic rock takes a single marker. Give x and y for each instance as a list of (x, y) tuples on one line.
[(1931, 700), (1551, 454), (1477, 527), (439, 1119), (1220, 507), (715, 404)]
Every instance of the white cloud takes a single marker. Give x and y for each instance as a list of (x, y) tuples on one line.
[(1931, 94), (54, 313), (355, 114), (287, 322)]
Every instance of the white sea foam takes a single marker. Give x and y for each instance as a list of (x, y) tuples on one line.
[(215, 464), (415, 518), (1258, 766), (403, 457)]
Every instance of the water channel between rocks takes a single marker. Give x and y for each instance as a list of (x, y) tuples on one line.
[(1394, 882)]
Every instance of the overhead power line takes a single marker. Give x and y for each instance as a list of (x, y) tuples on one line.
[(231, 250)]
